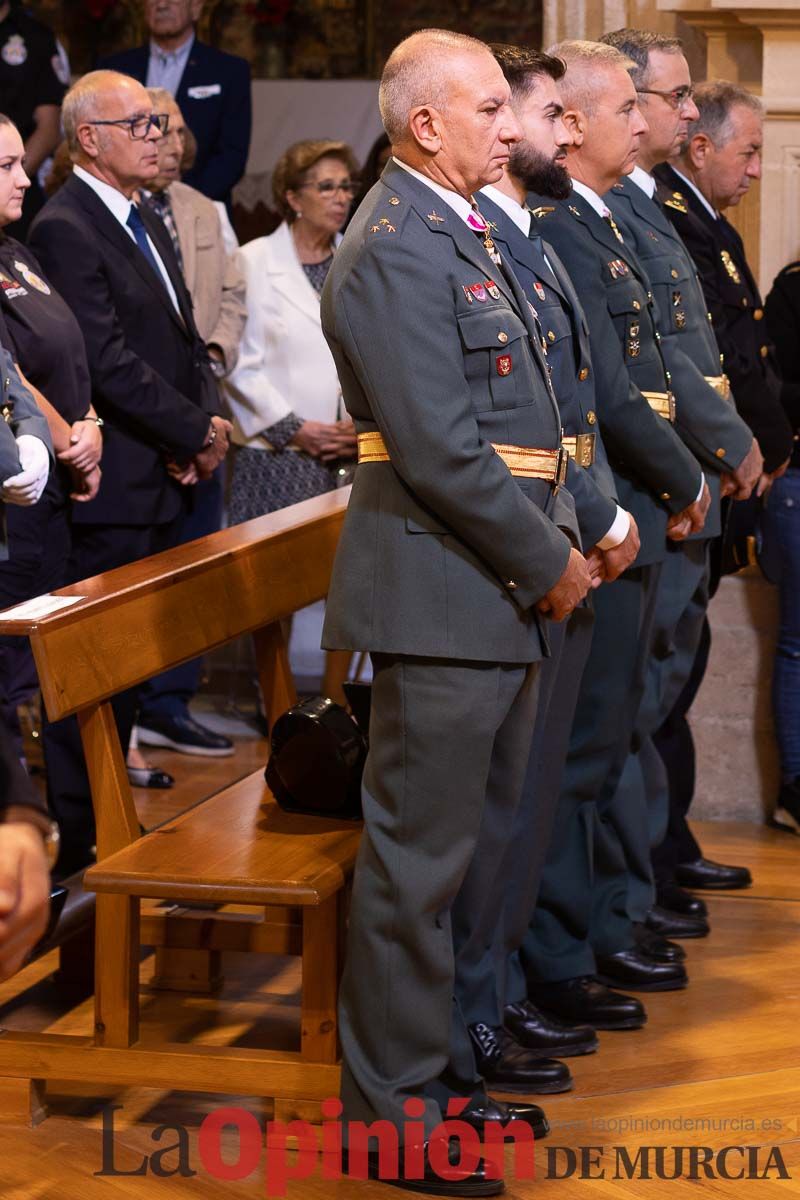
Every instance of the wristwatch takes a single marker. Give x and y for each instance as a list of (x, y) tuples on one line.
[(52, 843)]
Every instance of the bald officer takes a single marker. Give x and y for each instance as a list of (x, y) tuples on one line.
[(450, 563)]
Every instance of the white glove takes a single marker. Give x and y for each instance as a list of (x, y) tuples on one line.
[(26, 487)]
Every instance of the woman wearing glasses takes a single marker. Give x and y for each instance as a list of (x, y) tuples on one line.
[(284, 392), (295, 439)]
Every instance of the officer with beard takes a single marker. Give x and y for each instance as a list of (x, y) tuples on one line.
[(490, 983)]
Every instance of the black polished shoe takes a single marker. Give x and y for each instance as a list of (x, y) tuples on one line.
[(678, 900), (185, 735), (499, 1112), (508, 1067), (477, 1183), (631, 969), (149, 777), (584, 999), (657, 947), (544, 1035), (673, 925), (707, 875)]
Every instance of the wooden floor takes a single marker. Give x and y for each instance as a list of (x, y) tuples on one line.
[(717, 1065)]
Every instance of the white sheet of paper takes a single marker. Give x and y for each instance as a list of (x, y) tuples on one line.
[(40, 606)]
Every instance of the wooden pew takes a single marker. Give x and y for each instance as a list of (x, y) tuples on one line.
[(235, 847)]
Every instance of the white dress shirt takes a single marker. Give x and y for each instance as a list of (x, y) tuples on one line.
[(644, 180), (120, 206), (165, 69)]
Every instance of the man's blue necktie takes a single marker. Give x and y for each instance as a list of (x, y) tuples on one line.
[(136, 224)]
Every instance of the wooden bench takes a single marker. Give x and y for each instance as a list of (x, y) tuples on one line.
[(236, 847)]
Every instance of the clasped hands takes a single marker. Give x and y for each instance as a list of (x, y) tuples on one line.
[(585, 573), (327, 442), (83, 459), (206, 461)]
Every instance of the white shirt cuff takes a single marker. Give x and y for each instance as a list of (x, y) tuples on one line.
[(619, 530), (702, 486)]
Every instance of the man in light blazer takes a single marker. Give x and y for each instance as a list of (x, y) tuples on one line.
[(451, 559)]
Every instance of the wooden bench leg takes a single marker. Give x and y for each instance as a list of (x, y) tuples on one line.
[(22, 1102), (117, 971), (318, 1020), (187, 970)]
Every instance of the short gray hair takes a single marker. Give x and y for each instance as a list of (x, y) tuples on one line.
[(580, 86), (414, 75), (638, 45), (715, 102), (160, 96), (80, 103)]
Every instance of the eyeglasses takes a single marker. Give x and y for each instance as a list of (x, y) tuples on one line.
[(329, 189), (675, 98), (139, 127)]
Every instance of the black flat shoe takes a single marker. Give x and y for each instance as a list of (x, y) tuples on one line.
[(545, 1035), (584, 999), (678, 900), (673, 925), (707, 875), (499, 1112), (508, 1067), (149, 777), (630, 969), (787, 809), (657, 947), (477, 1183)]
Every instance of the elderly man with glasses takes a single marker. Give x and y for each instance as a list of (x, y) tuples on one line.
[(152, 385)]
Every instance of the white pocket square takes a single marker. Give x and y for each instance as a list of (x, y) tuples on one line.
[(204, 91)]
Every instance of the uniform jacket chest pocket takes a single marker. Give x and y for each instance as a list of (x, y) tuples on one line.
[(673, 283), (627, 304), (498, 359)]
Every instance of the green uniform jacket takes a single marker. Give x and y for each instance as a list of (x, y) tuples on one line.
[(655, 473), (443, 551), (708, 424)]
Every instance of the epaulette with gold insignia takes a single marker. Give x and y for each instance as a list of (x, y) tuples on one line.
[(543, 210), (382, 225), (678, 202)]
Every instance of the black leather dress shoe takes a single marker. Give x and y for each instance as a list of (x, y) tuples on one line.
[(498, 1112), (475, 1184), (676, 899), (673, 925), (185, 735), (707, 875), (657, 947), (584, 999), (632, 969), (544, 1035), (149, 777), (508, 1067)]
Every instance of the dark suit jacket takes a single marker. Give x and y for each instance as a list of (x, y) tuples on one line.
[(709, 424), (566, 336), (151, 382), (443, 551), (655, 473), (783, 319), (214, 98), (736, 312)]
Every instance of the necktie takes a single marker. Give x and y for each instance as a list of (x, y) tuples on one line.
[(612, 224), (136, 224), (159, 202)]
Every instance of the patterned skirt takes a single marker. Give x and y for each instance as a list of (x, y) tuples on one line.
[(265, 480)]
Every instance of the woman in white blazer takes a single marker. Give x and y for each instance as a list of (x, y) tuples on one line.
[(293, 434)]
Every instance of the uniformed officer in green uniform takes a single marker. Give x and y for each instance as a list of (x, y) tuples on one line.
[(451, 559), (567, 960), (490, 984), (708, 423)]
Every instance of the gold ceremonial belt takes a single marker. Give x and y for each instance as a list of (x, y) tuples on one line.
[(550, 465), (663, 403), (580, 448), (721, 385)]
